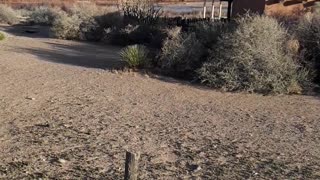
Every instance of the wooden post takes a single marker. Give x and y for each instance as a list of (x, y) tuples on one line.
[(131, 166), (220, 10), (212, 10), (204, 8)]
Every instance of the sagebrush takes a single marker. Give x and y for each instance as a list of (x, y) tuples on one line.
[(181, 52), (308, 33), (44, 15), (8, 15), (66, 27), (253, 58), (142, 11), (84, 21), (184, 52)]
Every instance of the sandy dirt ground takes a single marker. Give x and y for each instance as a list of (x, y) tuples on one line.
[(65, 114)]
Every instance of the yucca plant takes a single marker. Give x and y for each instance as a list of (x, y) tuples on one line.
[(136, 56)]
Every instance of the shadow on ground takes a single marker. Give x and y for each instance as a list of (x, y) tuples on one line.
[(24, 30), (79, 54), (91, 55)]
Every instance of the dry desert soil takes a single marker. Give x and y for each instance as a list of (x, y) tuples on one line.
[(65, 114)]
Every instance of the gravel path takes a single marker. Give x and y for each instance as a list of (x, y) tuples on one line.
[(65, 115)]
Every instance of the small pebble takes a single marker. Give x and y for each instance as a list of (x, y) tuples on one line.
[(30, 98), (62, 161)]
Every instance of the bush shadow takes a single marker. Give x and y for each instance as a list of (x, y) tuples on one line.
[(24, 30), (88, 55)]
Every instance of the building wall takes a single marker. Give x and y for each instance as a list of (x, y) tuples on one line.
[(242, 6)]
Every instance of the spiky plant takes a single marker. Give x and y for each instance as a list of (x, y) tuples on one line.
[(136, 56)]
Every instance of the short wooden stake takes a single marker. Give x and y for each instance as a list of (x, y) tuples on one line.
[(131, 166)]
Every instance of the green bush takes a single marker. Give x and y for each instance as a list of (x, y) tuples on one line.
[(1, 36), (8, 15), (181, 53), (253, 58), (308, 34), (135, 56)]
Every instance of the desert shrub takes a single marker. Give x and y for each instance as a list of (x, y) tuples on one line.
[(1, 36), (253, 58), (142, 11), (119, 36), (316, 7), (150, 35), (308, 34), (184, 52), (110, 20), (8, 15), (181, 52), (24, 12), (44, 15), (85, 21), (90, 30), (76, 23), (85, 10), (135, 56), (66, 27), (85, 13), (208, 33), (94, 28)]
